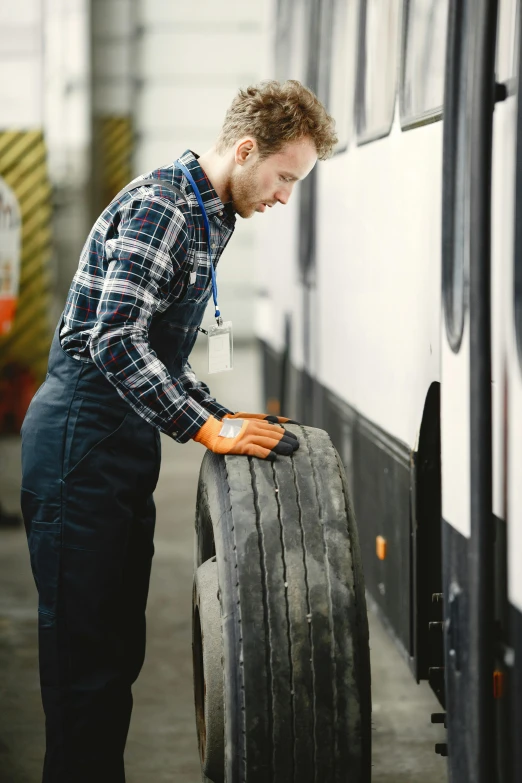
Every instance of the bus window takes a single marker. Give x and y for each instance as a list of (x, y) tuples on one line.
[(456, 181), (376, 68), (283, 40), (293, 19), (343, 63), (423, 59), (299, 38), (505, 55)]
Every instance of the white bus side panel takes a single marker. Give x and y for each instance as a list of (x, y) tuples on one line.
[(502, 244), (455, 447), (509, 362), (506, 370), (379, 267), (515, 491), (278, 277)]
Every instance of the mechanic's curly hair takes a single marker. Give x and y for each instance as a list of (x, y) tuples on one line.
[(275, 113)]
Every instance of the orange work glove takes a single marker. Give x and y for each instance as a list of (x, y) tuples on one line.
[(260, 416), (249, 437)]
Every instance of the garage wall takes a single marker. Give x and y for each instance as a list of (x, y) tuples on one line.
[(113, 65), (23, 171), (67, 109), (191, 59)]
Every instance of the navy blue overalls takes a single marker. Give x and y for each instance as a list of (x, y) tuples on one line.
[(89, 467)]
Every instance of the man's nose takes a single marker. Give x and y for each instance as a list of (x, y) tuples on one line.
[(283, 195)]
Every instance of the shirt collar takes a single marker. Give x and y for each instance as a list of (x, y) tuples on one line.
[(211, 200)]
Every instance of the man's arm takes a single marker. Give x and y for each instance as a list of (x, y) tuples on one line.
[(145, 259), (200, 392)]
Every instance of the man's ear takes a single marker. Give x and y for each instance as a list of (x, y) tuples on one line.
[(245, 149)]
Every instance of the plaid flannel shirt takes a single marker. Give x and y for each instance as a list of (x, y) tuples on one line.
[(136, 262)]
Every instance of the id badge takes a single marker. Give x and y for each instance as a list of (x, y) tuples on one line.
[(220, 348)]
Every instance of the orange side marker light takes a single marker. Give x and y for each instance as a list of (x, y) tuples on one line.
[(273, 406), (381, 547), (498, 684)]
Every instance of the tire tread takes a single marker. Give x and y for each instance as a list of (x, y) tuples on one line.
[(295, 613)]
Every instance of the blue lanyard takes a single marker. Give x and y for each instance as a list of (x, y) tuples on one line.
[(190, 178)]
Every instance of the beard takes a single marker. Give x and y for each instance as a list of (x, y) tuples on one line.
[(244, 192)]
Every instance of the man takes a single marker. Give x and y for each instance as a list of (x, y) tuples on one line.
[(118, 376)]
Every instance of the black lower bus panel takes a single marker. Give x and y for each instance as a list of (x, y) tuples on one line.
[(516, 690), (457, 674), (382, 475)]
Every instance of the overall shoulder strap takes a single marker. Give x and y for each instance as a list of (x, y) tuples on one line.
[(168, 186)]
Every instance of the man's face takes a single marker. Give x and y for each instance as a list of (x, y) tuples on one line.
[(257, 184)]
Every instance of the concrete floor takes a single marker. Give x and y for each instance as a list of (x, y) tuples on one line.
[(162, 745)]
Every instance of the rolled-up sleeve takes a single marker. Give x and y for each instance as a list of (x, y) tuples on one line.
[(144, 258)]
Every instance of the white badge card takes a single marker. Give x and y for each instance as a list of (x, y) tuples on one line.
[(220, 348)]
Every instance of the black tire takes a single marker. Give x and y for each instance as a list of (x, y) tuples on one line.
[(295, 631), (208, 670)]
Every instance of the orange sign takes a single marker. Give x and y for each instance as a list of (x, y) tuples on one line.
[(10, 238)]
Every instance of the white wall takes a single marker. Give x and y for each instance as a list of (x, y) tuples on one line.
[(21, 52), (113, 56), (67, 89), (66, 94), (191, 60)]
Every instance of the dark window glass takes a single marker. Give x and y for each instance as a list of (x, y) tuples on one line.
[(343, 69), (456, 179), (293, 32), (377, 68), (423, 60)]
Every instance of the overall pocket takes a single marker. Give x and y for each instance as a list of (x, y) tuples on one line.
[(90, 424), (44, 533), (44, 539)]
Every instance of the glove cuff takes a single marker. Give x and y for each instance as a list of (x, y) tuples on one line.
[(208, 433)]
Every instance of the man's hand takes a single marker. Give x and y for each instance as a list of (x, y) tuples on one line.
[(260, 416), (249, 437)]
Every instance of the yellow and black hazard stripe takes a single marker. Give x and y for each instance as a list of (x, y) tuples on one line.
[(23, 166), (114, 146)]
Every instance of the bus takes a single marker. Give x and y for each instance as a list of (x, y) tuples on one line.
[(390, 314)]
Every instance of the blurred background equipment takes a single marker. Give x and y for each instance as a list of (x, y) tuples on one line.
[(17, 380), (25, 343), (24, 275), (33, 142), (10, 229)]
